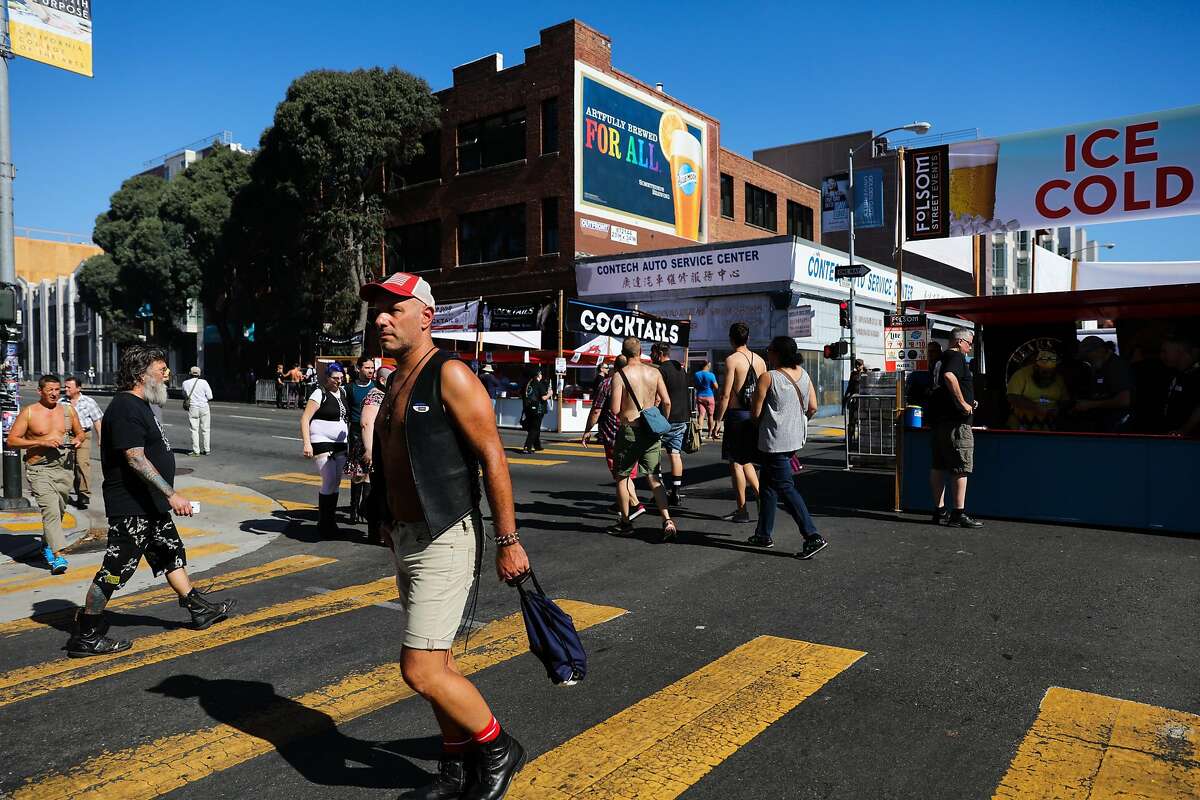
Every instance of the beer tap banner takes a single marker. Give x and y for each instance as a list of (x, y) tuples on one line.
[(638, 159), (1138, 167), (619, 322)]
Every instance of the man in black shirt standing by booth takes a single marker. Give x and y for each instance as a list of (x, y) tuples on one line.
[(139, 470), (953, 443)]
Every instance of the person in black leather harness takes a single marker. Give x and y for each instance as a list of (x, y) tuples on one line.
[(436, 428)]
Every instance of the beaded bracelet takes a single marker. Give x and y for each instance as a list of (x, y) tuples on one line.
[(508, 540)]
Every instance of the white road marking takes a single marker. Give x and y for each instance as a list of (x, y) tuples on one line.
[(256, 419), (289, 438)]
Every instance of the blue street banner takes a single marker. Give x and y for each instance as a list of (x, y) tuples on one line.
[(639, 160), (835, 204)]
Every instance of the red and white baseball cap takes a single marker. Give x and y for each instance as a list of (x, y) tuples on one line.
[(401, 284)]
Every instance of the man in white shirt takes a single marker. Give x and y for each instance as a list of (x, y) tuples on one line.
[(197, 394), (90, 416)]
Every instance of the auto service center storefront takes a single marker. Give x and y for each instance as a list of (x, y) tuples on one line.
[(780, 286)]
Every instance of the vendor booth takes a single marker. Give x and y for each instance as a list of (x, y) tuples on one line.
[(1065, 463)]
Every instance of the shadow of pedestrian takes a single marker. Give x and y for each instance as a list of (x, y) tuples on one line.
[(308, 739), (23, 548), (60, 615)]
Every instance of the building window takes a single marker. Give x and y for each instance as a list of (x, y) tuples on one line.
[(726, 195), (799, 220), (423, 168), (760, 207), (999, 259), (550, 125), (414, 248), (491, 141), (493, 235), (550, 225)]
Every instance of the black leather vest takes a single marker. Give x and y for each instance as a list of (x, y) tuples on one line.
[(445, 470)]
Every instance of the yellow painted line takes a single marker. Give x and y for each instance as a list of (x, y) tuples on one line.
[(537, 462), (230, 580), (300, 477), (221, 497), (293, 505), (68, 522), (1085, 746), (169, 763), (662, 745), (593, 453), (72, 575), (186, 532), (38, 679)]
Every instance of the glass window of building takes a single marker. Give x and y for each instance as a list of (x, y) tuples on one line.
[(550, 125), (799, 220), (760, 207), (493, 235), (414, 248), (491, 141), (550, 225), (726, 196), (425, 167)]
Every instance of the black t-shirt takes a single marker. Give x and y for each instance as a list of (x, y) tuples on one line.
[(676, 380), (129, 422), (1106, 382), (948, 410), (1183, 397)]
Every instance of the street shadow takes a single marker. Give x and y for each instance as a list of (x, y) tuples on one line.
[(23, 548), (59, 614), (306, 738), (301, 526)]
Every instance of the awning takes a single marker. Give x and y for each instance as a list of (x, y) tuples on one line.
[(1145, 302)]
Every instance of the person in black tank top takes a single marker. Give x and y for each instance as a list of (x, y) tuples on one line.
[(739, 435)]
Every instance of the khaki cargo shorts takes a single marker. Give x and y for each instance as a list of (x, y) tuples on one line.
[(953, 448), (434, 579)]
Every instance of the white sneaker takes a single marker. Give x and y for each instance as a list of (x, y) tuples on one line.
[(637, 512)]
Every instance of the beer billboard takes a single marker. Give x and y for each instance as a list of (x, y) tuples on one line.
[(1138, 167), (638, 159), (55, 32)]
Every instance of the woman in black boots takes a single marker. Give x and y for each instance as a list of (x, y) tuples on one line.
[(324, 430), (537, 392)]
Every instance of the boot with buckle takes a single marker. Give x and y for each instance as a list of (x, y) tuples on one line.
[(205, 612), (89, 638)]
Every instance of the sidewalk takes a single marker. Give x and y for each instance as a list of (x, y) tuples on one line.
[(212, 537)]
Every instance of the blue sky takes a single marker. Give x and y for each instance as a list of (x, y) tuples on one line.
[(772, 73)]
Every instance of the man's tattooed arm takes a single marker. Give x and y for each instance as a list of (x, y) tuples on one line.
[(136, 456)]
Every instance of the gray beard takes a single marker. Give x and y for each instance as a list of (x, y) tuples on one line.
[(156, 392)]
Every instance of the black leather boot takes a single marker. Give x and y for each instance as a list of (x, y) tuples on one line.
[(498, 761), (355, 500), (449, 784), (89, 638), (326, 516), (205, 612)]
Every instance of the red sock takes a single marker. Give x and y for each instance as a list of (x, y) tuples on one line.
[(455, 748), (489, 732)]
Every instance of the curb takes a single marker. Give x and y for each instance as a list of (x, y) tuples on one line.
[(83, 524)]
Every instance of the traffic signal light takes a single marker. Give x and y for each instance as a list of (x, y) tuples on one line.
[(836, 350), (844, 314)]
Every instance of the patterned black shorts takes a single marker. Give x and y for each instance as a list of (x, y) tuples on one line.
[(130, 538)]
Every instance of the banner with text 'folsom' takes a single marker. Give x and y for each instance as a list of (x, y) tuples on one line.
[(1138, 167), (619, 322), (55, 32)]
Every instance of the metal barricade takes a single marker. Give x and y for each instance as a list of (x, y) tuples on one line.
[(871, 422), (266, 392)]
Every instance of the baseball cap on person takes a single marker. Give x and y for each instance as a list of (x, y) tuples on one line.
[(195, 371), (401, 284), (488, 368)]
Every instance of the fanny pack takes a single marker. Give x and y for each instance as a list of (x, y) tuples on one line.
[(653, 420)]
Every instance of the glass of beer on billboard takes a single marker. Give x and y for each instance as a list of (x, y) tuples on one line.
[(687, 177), (973, 178)]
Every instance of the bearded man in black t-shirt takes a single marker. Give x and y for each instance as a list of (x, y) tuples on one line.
[(139, 470), (953, 443)]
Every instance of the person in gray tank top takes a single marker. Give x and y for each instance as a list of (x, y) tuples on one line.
[(784, 401)]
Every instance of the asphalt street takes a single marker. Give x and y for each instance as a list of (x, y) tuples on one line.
[(929, 652)]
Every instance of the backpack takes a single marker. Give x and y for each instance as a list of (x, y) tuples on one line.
[(552, 635), (746, 393)]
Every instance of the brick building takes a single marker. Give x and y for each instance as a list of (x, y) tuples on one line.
[(500, 205)]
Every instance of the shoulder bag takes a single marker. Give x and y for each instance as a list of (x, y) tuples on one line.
[(795, 459), (187, 401), (652, 419)]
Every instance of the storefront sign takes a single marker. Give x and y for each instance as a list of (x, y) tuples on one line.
[(835, 202), (638, 159), (619, 323), (55, 32), (340, 341), (512, 318), (799, 321), (906, 343), (1139, 167), (709, 268), (456, 317)]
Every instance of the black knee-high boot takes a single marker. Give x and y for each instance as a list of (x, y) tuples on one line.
[(356, 493), (326, 516)]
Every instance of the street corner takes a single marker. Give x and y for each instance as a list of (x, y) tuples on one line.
[(231, 521)]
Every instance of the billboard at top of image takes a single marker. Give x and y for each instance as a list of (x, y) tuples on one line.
[(638, 159), (835, 204), (55, 32), (1138, 167)]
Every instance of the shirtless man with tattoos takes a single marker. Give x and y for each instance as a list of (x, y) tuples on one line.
[(139, 469)]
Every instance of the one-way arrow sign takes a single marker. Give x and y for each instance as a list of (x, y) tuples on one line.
[(851, 271)]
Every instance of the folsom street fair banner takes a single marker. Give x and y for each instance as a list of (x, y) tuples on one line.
[(1138, 167), (55, 32), (638, 159)]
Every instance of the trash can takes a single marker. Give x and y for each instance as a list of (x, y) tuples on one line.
[(912, 417)]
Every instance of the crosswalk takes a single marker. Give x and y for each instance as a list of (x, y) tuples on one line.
[(1081, 745)]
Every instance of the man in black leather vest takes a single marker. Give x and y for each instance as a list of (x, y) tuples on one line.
[(436, 428)]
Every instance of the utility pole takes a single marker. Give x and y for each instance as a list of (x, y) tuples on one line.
[(9, 331)]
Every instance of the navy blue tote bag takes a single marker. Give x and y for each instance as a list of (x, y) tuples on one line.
[(552, 635)]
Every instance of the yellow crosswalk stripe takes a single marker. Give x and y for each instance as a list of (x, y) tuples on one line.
[(230, 580), (659, 747), (91, 563), (299, 477), (34, 523), (536, 462), (222, 497), (293, 505), (38, 679), (1085, 746), (576, 453), (161, 766)]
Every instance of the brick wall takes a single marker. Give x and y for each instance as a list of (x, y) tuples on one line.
[(744, 171)]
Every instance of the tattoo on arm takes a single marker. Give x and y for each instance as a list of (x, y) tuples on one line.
[(136, 456)]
